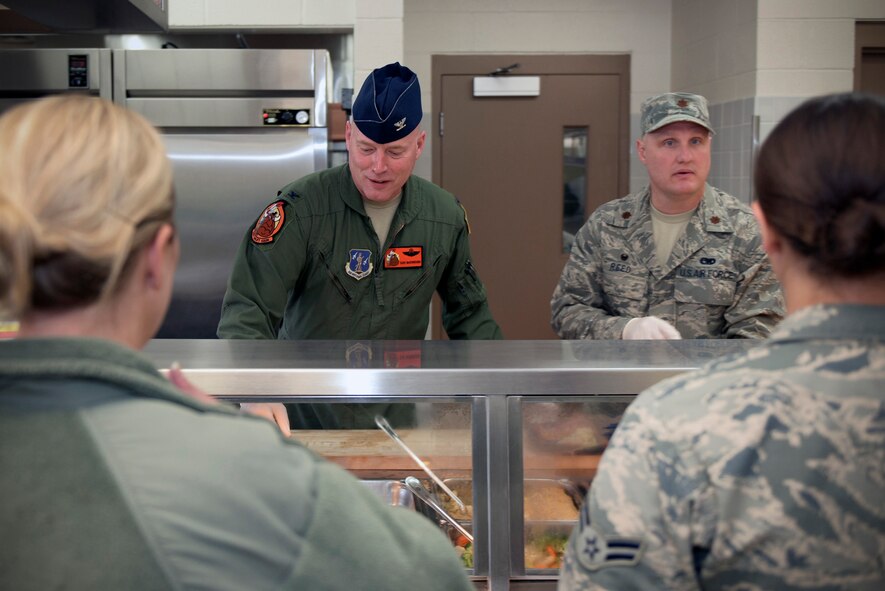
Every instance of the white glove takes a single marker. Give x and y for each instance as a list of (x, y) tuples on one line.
[(650, 327)]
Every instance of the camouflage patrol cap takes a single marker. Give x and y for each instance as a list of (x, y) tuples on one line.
[(388, 106), (664, 109)]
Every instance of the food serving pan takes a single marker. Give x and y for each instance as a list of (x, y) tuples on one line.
[(391, 492)]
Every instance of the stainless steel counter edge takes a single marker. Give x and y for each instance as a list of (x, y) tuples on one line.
[(311, 369)]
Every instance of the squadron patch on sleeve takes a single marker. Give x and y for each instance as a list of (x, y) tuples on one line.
[(269, 223)]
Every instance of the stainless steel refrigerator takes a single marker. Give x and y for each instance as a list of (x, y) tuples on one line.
[(238, 125), (26, 74)]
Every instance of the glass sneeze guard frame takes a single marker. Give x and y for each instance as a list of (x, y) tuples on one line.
[(497, 377)]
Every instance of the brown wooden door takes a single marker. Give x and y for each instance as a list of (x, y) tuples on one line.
[(869, 65), (505, 159)]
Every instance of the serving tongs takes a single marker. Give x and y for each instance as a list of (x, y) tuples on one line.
[(414, 485), (385, 426)]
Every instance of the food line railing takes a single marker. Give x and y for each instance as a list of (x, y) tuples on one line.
[(491, 395)]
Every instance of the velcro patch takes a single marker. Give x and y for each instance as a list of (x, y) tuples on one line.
[(404, 257), (595, 551), (269, 223)]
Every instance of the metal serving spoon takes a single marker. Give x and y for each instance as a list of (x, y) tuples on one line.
[(385, 426), (414, 485)]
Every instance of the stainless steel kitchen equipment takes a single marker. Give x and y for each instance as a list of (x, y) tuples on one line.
[(503, 385), (94, 15), (385, 426), (32, 73), (238, 125), (414, 485)]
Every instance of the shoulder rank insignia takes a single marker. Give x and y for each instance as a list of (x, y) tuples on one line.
[(405, 257), (595, 551), (360, 263), (269, 223), (466, 221)]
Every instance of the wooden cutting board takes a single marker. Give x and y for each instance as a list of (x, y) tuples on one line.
[(370, 453)]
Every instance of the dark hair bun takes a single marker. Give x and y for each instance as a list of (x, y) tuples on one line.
[(820, 179)]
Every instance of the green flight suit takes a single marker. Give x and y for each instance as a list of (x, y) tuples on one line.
[(296, 285)]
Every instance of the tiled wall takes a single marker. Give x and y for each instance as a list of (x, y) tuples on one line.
[(732, 147)]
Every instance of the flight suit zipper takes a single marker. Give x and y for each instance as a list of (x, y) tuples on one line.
[(421, 279), (335, 281)]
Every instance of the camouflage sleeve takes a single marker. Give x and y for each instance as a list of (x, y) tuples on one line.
[(578, 303), (758, 304), (637, 528)]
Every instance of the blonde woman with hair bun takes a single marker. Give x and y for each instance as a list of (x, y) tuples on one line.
[(85, 221), (110, 476)]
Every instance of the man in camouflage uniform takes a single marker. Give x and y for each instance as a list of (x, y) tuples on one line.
[(679, 259), (761, 471)]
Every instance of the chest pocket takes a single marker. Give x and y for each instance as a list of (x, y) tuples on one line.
[(705, 290), (625, 294)]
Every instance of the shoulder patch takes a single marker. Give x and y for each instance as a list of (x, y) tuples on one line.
[(269, 223), (595, 551)]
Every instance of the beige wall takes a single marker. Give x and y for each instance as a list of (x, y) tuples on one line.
[(258, 14), (377, 36), (714, 48), (805, 48), (638, 27), (753, 59)]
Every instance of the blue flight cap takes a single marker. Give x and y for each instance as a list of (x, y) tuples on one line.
[(388, 106)]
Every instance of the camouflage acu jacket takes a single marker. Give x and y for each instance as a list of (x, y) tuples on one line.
[(764, 470), (718, 282)]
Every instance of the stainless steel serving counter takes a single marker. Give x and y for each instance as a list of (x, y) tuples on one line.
[(283, 369), (503, 386)]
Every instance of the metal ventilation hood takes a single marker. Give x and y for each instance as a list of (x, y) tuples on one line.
[(95, 16)]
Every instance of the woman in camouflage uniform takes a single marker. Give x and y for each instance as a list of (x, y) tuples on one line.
[(767, 470)]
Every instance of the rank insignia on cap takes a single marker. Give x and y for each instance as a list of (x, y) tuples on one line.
[(269, 223), (595, 551), (405, 257), (360, 263), (388, 106)]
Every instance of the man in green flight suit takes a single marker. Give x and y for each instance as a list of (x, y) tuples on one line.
[(357, 251)]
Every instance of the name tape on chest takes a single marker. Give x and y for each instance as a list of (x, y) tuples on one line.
[(404, 257)]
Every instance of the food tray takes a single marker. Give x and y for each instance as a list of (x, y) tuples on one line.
[(391, 492)]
